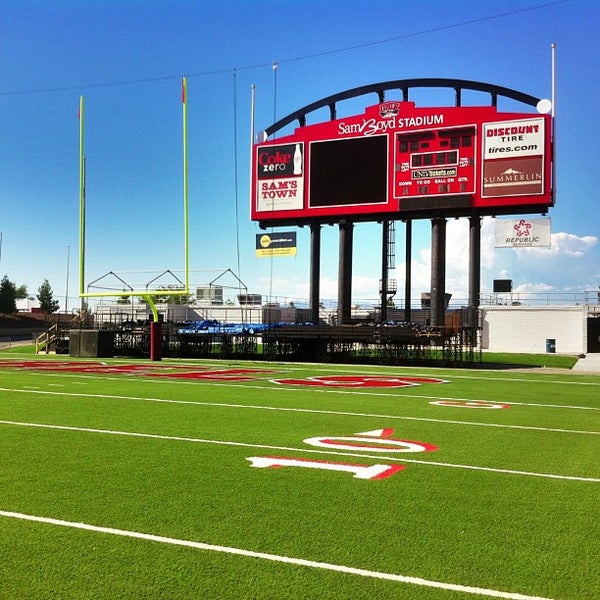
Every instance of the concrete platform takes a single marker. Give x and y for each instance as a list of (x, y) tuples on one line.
[(6, 344), (589, 364)]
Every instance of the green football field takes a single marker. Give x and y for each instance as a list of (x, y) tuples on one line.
[(215, 479)]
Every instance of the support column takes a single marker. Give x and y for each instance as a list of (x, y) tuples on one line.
[(155, 341), (315, 271), (474, 269), (408, 271), (474, 261), (438, 273), (345, 272), (383, 288), (155, 330)]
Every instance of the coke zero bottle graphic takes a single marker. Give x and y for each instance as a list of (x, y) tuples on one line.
[(297, 160)]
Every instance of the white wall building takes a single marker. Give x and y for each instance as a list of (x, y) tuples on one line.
[(29, 304), (529, 329)]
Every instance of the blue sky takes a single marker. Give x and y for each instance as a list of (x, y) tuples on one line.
[(127, 58)]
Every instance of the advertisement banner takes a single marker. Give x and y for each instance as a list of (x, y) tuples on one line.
[(523, 233), (276, 244), (439, 162), (513, 158), (280, 177)]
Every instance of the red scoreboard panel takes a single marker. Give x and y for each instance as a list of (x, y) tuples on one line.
[(396, 158)]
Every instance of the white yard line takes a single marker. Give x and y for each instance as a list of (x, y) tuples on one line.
[(292, 449), (272, 557), (305, 410)]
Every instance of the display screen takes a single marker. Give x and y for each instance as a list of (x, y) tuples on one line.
[(349, 172), (436, 162)]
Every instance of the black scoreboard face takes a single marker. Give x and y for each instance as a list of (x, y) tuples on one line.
[(348, 172)]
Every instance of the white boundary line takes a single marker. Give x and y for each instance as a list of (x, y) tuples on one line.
[(291, 449), (303, 410), (273, 557)]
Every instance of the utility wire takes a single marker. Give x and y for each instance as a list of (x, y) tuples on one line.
[(209, 73)]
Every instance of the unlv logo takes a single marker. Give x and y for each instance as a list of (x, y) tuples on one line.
[(355, 381)]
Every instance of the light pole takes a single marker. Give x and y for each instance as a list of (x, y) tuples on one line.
[(67, 282)]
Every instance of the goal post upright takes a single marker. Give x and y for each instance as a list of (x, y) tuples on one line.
[(185, 186), (81, 198), (155, 330)]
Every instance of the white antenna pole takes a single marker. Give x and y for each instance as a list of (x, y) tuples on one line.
[(252, 108), (67, 281), (252, 125), (553, 80), (553, 114)]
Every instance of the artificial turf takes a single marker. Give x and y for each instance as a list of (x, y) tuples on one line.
[(504, 499)]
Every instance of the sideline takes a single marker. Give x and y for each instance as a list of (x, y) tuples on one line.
[(273, 557)]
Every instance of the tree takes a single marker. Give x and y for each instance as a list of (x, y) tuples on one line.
[(45, 297), (22, 292), (8, 296)]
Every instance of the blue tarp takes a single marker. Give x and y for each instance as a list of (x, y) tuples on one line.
[(211, 326)]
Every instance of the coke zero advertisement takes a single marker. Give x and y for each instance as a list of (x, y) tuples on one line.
[(280, 177)]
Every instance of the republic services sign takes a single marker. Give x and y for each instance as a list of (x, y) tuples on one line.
[(523, 233)]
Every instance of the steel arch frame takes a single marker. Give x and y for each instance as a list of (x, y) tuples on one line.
[(404, 85)]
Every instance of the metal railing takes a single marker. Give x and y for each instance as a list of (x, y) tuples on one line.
[(361, 308), (44, 341)]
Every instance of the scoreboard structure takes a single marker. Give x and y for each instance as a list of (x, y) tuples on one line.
[(397, 160)]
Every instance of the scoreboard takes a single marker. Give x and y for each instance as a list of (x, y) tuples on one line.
[(396, 160), (439, 162)]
